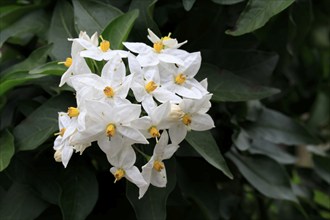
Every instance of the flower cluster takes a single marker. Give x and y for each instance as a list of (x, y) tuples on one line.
[(166, 102)]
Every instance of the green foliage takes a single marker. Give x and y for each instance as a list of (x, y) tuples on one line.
[(267, 65)]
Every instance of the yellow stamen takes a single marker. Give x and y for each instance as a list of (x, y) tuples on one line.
[(150, 86), (153, 131), (108, 91), (158, 165), (73, 112), (104, 45), (186, 119), (111, 130), (67, 62), (120, 173), (158, 46), (168, 37), (180, 79), (61, 133)]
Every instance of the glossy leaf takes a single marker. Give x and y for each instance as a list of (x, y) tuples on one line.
[(188, 4), (79, 191), (93, 15), (7, 149), (267, 176), (152, 206), (226, 86), (20, 202), (41, 124), (322, 167), (51, 68), (204, 143), (278, 128), (256, 14), (118, 30), (61, 28), (227, 2)]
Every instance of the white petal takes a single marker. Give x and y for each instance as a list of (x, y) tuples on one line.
[(177, 133), (161, 112), (142, 123), (66, 155), (163, 95), (137, 47), (159, 179), (148, 59), (94, 53), (167, 58), (188, 93), (201, 122), (134, 65), (132, 134), (153, 37), (192, 64), (148, 103), (139, 92), (133, 174), (114, 70), (127, 113)]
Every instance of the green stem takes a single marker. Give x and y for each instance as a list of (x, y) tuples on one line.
[(142, 153)]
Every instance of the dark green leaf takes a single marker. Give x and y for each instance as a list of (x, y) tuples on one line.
[(275, 127), (21, 203), (7, 149), (30, 24), (204, 143), (242, 140), (79, 191), (274, 151), (93, 15), (152, 206), (227, 2), (41, 124), (322, 167), (267, 176), (188, 4), (61, 28), (51, 68), (118, 30), (256, 14), (226, 86)]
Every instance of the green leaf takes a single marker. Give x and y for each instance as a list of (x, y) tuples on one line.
[(322, 167), (275, 127), (188, 4), (41, 124), (267, 176), (79, 191), (241, 140), (274, 151), (30, 24), (20, 202), (256, 14), (152, 206), (51, 68), (7, 149), (61, 28), (204, 143), (226, 86), (93, 15), (227, 2), (118, 30)]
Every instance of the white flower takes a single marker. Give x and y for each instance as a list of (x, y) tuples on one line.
[(154, 171), (146, 86), (163, 50), (112, 86), (190, 114), (155, 121), (101, 52), (180, 79)]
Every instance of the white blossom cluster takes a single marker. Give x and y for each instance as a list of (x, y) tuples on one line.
[(166, 102)]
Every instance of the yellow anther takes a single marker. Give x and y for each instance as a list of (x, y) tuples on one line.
[(168, 37), (158, 46), (73, 112), (61, 133), (108, 91), (180, 79), (153, 131), (150, 86), (186, 119), (120, 173), (67, 62), (111, 130), (158, 165), (104, 45)]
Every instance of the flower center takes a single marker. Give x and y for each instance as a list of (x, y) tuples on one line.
[(108, 91), (180, 79), (150, 86), (104, 45), (120, 173), (111, 130), (158, 165), (73, 112), (167, 37), (186, 119), (153, 131), (158, 46), (61, 133), (68, 62)]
